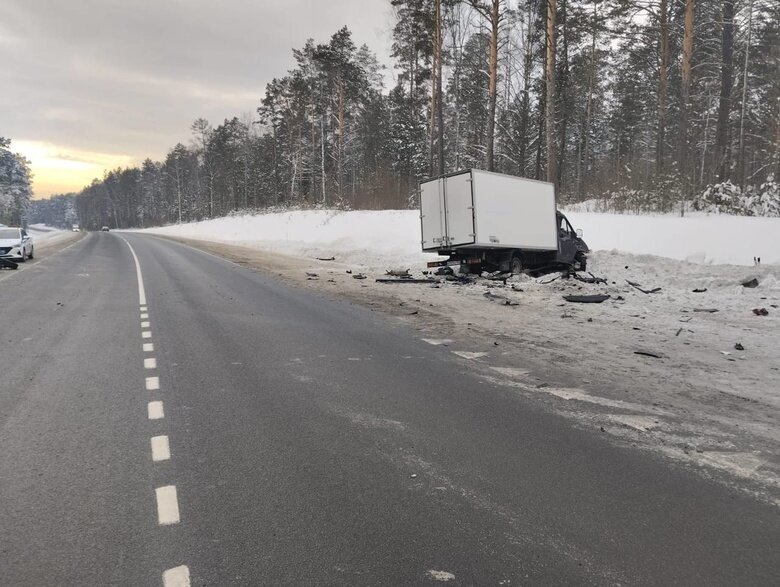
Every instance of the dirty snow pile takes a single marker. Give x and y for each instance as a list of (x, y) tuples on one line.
[(379, 239)]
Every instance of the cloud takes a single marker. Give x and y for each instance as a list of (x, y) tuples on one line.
[(110, 76), (57, 169)]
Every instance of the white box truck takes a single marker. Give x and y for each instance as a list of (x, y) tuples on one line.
[(495, 222)]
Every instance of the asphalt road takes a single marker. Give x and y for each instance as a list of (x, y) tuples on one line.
[(305, 441)]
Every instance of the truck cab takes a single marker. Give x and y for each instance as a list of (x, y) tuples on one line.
[(572, 250)]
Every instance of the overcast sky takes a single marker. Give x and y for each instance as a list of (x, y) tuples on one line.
[(87, 85)]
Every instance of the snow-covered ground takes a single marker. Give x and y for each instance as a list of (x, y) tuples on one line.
[(44, 236), (377, 239), (701, 401)]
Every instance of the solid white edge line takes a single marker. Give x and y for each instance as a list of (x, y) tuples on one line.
[(177, 577), (150, 363), (161, 448), (141, 290), (148, 347), (167, 505), (152, 383), (155, 410)]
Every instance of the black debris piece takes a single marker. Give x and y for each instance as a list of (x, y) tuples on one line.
[(398, 273), (761, 311), (678, 332), (644, 291), (504, 300), (358, 276), (590, 299), (751, 283), (591, 279), (700, 290), (739, 346), (326, 258), (710, 310), (648, 354), (444, 271), (400, 280), (8, 264), (311, 275)]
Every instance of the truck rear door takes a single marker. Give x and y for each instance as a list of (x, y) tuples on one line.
[(432, 207), (459, 209)]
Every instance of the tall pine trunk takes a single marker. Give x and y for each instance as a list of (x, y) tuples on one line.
[(552, 174), (663, 85), (726, 86), (685, 91)]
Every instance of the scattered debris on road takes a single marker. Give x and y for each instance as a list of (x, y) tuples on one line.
[(359, 276), (750, 283), (710, 310), (326, 258), (404, 273), (761, 311), (8, 264), (739, 346), (700, 290)]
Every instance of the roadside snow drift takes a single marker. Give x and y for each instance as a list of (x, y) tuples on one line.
[(380, 239)]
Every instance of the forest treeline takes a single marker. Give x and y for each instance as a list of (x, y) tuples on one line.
[(15, 185), (665, 103)]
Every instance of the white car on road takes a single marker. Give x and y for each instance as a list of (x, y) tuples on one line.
[(15, 244)]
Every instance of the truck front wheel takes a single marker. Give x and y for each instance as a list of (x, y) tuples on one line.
[(580, 261)]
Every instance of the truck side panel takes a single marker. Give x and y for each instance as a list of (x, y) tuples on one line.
[(511, 212)]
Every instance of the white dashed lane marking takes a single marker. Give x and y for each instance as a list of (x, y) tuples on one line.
[(155, 410), (167, 498), (161, 449), (177, 577), (167, 505)]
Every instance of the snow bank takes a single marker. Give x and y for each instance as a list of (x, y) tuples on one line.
[(391, 238), (717, 239)]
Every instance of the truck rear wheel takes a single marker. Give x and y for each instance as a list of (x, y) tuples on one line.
[(516, 264)]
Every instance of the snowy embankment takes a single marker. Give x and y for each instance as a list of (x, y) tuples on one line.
[(43, 234), (381, 239)]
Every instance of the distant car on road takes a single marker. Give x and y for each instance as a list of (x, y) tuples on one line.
[(75, 228), (104, 229), (16, 244)]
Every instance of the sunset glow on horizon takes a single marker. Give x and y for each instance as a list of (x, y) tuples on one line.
[(58, 169)]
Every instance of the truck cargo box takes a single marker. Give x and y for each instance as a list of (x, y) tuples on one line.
[(482, 210)]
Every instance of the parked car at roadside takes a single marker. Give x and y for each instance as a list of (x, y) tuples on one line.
[(16, 244), (104, 229)]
